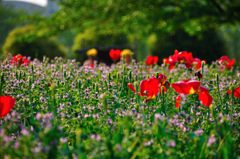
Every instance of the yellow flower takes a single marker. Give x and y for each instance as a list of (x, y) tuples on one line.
[(126, 52), (92, 52)]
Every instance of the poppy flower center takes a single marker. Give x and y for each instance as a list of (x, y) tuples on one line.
[(192, 91)]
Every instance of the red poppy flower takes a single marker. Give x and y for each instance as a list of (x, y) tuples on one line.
[(151, 60), (236, 92), (6, 104), (226, 62), (197, 63), (115, 54), (20, 60), (151, 87), (187, 87), (183, 57), (229, 92), (171, 61), (205, 98), (163, 82)]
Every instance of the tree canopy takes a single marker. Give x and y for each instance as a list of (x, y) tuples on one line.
[(146, 23), (143, 17)]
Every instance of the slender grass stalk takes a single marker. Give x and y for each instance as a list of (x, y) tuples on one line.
[(202, 151)]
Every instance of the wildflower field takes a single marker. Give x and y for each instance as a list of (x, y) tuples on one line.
[(182, 107)]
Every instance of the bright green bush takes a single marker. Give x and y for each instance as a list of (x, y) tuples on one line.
[(29, 41)]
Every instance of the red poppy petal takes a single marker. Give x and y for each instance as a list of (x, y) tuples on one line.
[(6, 104), (115, 54), (197, 63), (205, 98), (149, 60), (166, 61), (149, 87), (181, 87), (194, 86), (229, 92), (171, 67), (155, 59), (153, 89), (130, 86), (230, 64), (162, 78), (178, 101), (237, 92), (203, 89), (26, 62), (176, 52)]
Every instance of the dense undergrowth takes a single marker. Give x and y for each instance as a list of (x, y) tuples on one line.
[(64, 110)]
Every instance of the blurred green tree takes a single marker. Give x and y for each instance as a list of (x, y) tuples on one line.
[(29, 41), (142, 19), (9, 19), (145, 22), (231, 36), (142, 16)]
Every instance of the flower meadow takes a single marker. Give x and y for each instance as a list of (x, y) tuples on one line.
[(182, 108)]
